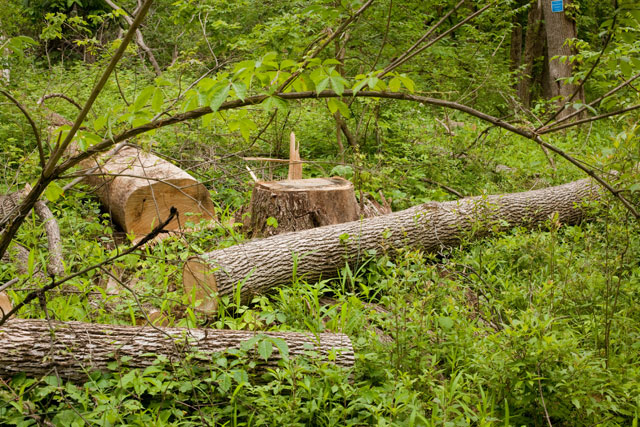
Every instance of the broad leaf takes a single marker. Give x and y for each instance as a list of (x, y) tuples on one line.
[(218, 96)]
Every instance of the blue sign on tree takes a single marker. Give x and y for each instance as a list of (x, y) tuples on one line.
[(557, 6)]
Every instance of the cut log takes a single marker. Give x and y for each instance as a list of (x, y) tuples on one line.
[(140, 188), (76, 349), (5, 304), (301, 204), (261, 264)]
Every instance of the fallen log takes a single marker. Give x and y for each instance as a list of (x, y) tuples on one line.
[(140, 188), (259, 265), (76, 349)]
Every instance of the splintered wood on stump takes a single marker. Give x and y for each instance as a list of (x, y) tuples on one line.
[(300, 204), (262, 264), (140, 188), (76, 349)]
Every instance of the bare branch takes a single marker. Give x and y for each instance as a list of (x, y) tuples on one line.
[(423, 38), (399, 62), (139, 39), (590, 119), (34, 128), (543, 128), (59, 95)]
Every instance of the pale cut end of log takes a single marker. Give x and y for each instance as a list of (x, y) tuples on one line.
[(200, 285), (140, 188), (301, 204), (5, 304)]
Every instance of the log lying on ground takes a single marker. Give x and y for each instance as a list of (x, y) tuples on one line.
[(140, 188), (76, 349), (300, 204), (262, 264)]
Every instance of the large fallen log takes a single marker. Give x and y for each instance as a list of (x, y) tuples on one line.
[(76, 349), (140, 188), (259, 265)]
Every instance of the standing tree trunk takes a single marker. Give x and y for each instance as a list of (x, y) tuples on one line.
[(261, 264), (533, 50), (559, 29), (76, 349)]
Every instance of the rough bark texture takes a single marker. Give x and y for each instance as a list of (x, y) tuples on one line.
[(263, 264), (9, 204), (302, 204), (559, 28), (146, 189), (533, 49), (76, 349)]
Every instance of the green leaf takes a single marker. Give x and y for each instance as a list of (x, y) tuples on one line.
[(287, 63), (53, 192), (99, 123), (240, 89), (336, 104), (31, 260), (274, 102), (333, 105), (157, 100), (246, 126), (143, 97), (206, 119), (282, 346), (394, 84), (337, 83), (265, 349), (331, 61), (359, 86), (322, 85), (272, 222), (218, 96), (408, 83)]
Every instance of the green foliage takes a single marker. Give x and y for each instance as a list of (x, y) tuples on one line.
[(501, 331)]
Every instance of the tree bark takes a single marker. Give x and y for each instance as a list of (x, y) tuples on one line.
[(76, 349), (140, 188), (559, 28), (259, 265), (302, 204), (533, 49)]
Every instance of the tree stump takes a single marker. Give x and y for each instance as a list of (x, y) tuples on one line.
[(140, 188), (300, 204)]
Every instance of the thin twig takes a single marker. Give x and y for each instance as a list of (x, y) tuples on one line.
[(59, 95), (34, 128)]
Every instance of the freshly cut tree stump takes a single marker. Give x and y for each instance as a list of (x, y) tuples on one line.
[(300, 204), (140, 188), (75, 349), (261, 264)]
